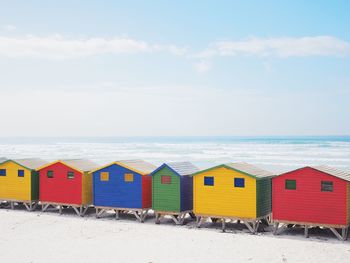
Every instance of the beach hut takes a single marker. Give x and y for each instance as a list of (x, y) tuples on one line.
[(172, 192), (123, 186), (19, 182), (232, 192), (66, 183), (312, 196)]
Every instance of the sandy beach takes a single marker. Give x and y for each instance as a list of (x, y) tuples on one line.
[(50, 237)]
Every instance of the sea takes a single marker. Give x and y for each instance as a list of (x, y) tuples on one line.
[(275, 153)]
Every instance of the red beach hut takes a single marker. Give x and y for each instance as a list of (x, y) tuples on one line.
[(312, 196), (66, 183)]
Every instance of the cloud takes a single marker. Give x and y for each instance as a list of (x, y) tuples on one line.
[(60, 47), (202, 66), (279, 47), (9, 27)]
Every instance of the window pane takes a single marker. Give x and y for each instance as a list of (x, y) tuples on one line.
[(104, 176), (291, 184), (239, 182), (128, 177), (70, 175), (208, 180), (326, 186), (49, 174), (2, 172), (166, 179), (20, 173)]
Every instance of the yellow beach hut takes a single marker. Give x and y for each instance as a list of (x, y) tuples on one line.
[(232, 192), (19, 182)]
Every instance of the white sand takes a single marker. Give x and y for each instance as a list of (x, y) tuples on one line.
[(50, 237)]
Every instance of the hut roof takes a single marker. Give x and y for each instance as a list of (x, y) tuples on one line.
[(139, 166), (83, 165), (250, 169), (242, 167), (333, 171), (29, 163), (180, 168)]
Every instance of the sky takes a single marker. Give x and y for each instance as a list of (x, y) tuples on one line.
[(174, 68)]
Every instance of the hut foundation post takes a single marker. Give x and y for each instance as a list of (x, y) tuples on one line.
[(251, 228), (278, 230), (83, 210), (342, 236), (306, 231), (223, 226), (29, 208), (116, 214), (344, 233), (181, 218), (198, 221), (12, 205), (157, 220), (60, 209), (44, 207), (76, 210), (137, 215), (99, 212), (144, 214), (175, 219)]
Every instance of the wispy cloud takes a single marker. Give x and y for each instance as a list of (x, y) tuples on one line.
[(9, 27), (202, 66), (279, 47), (60, 47)]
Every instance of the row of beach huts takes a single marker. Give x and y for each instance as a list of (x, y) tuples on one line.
[(313, 196)]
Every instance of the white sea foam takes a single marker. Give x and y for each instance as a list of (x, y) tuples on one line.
[(277, 156)]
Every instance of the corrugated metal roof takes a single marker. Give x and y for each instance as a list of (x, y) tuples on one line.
[(183, 168), (333, 171), (250, 169), (31, 163), (84, 165), (138, 165)]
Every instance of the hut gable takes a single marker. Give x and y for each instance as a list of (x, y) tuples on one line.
[(123, 184), (165, 189), (172, 187), (18, 180), (66, 182), (179, 168), (233, 190), (311, 195)]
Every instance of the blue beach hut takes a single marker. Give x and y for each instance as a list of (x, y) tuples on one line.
[(123, 186)]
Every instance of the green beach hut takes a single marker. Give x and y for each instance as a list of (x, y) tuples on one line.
[(172, 191)]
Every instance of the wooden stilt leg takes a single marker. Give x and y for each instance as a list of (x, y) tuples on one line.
[(223, 226), (12, 205), (117, 214), (199, 222), (26, 206), (60, 209), (44, 207), (157, 220), (335, 232), (306, 231), (76, 210), (251, 229), (344, 233)]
